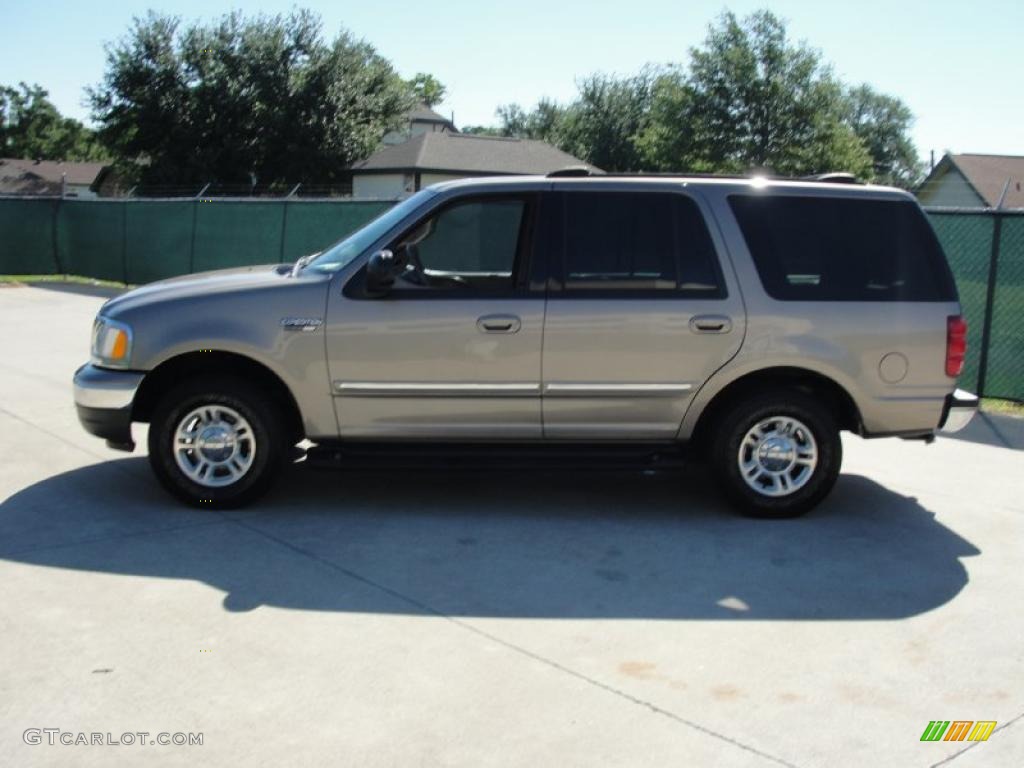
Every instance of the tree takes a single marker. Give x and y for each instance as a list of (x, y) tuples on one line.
[(599, 127), (261, 100), (545, 122), (883, 123), (427, 89), (603, 124), (32, 127), (511, 121), (666, 141), (751, 98), (748, 99), (481, 130), (542, 122)]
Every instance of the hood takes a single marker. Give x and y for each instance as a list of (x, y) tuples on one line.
[(202, 284)]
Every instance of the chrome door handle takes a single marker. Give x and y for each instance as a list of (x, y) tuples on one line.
[(711, 324), (499, 324)]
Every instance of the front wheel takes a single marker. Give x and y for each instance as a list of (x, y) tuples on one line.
[(778, 454), (216, 442)]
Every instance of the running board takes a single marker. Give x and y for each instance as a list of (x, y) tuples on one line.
[(495, 456)]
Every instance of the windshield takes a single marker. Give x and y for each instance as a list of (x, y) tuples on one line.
[(341, 253)]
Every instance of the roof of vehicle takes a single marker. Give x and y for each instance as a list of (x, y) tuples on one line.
[(729, 183)]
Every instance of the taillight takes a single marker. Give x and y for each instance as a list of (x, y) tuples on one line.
[(956, 344)]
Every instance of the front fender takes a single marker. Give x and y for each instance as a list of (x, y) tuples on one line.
[(256, 324)]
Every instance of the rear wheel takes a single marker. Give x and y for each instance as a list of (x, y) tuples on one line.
[(216, 442), (777, 454)]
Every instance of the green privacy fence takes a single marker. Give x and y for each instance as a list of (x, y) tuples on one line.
[(986, 251), (138, 241)]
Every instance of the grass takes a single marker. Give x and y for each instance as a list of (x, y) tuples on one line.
[(1003, 407), (1006, 346), (77, 279)]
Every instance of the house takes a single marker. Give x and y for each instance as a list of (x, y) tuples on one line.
[(48, 177), (434, 156), (422, 119), (975, 181)]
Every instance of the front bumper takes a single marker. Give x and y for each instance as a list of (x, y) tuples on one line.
[(958, 411), (104, 400)]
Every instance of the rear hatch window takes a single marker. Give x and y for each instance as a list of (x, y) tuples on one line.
[(843, 249)]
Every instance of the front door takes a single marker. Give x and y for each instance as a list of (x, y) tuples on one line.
[(641, 315), (453, 351)]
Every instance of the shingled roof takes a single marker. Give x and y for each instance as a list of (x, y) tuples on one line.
[(987, 175), (465, 153), (424, 114), (52, 170)]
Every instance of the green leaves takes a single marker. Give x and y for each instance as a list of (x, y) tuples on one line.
[(427, 89), (601, 126), (883, 123), (748, 99), (265, 101), (31, 127), (755, 100), (261, 100)]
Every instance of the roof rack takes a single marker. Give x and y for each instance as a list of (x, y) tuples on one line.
[(834, 178), (583, 171), (571, 171)]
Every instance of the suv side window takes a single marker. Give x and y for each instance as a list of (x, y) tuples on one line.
[(843, 249), (627, 242), (466, 245)]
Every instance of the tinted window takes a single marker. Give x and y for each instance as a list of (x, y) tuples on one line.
[(471, 243), (340, 254), (843, 249), (629, 241)]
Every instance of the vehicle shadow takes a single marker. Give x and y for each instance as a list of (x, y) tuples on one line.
[(515, 544), (82, 289), (992, 429)]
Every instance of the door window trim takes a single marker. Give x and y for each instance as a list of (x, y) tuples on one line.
[(524, 266), (558, 253)]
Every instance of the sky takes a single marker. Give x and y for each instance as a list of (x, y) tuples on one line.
[(951, 62)]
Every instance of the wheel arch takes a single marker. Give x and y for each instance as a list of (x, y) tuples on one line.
[(172, 371), (822, 387)]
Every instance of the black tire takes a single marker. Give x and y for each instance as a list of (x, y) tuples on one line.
[(744, 415), (270, 443)]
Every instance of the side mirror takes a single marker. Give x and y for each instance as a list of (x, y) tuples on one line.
[(381, 270)]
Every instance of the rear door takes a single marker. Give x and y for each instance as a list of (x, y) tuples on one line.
[(642, 309)]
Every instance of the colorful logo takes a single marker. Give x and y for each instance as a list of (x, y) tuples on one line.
[(958, 730)]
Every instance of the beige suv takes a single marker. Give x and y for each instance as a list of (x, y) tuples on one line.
[(749, 320)]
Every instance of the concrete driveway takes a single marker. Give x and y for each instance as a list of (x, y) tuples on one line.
[(468, 619)]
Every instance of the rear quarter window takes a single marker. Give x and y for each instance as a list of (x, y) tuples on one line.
[(843, 249)]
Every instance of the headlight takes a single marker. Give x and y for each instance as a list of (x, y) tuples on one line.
[(111, 343)]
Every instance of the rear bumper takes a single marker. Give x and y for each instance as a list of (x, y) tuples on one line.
[(103, 399), (958, 410)]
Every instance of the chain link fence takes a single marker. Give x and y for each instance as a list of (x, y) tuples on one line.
[(141, 240), (986, 252)]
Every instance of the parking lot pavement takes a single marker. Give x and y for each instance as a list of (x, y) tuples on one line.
[(464, 618)]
